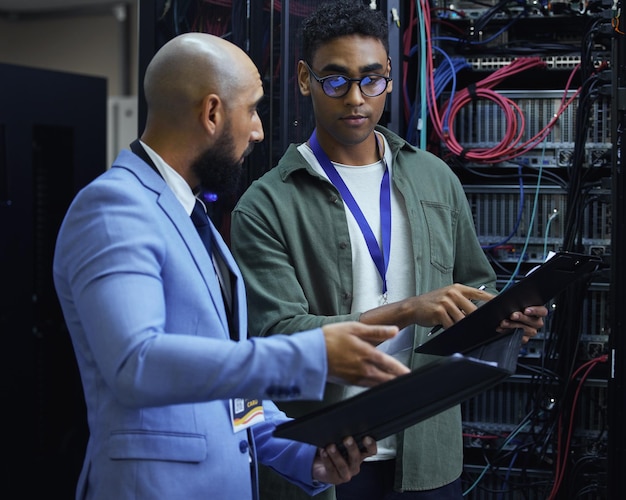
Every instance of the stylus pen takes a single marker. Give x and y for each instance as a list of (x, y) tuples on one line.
[(436, 328)]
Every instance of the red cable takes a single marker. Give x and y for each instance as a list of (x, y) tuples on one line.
[(560, 464), (509, 147)]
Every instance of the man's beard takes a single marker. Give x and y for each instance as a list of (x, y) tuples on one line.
[(219, 172)]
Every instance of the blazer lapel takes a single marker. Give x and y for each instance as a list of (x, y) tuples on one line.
[(174, 211)]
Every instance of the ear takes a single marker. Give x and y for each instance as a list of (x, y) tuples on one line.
[(304, 79), (212, 113), (390, 85)]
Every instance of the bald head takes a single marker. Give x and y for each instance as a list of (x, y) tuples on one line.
[(189, 67), (194, 87)]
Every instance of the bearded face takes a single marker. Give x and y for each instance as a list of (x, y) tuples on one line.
[(218, 168)]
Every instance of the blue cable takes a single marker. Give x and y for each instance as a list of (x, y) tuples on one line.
[(443, 75)]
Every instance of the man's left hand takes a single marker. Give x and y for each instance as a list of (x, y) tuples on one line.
[(332, 467), (530, 320)]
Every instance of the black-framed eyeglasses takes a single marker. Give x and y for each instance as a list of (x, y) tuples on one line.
[(339, 85)]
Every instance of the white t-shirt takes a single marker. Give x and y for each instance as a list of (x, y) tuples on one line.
[(364, 184)]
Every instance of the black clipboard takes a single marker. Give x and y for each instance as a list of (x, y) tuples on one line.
[(539, 287), (395, 405)]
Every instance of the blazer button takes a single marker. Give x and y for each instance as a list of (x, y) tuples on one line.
[(243, 446)]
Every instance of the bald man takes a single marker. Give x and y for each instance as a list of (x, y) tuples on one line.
[(174, 388)]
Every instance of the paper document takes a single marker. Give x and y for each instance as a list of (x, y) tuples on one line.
[(400, 346)]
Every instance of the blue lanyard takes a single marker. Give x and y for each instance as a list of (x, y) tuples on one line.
[(381, 259)]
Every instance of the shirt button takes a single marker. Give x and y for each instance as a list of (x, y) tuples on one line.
[(343, 245), (243, 446)]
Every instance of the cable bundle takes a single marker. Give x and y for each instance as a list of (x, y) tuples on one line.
[(511, 145)]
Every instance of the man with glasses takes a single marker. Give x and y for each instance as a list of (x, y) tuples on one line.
[(358, 224)]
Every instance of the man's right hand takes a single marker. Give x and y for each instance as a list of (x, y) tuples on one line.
[(352, 357)]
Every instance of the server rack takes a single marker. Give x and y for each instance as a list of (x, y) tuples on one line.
[(616, 484), (562, 189), (536, 152)]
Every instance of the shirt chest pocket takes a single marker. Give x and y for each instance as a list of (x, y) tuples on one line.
[(441, 221)]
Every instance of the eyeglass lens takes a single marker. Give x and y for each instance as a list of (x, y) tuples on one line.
[(337, 86)]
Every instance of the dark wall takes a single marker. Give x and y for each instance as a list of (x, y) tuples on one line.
[(52, 142)]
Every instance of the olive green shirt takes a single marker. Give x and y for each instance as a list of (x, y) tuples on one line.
[(290, 238)]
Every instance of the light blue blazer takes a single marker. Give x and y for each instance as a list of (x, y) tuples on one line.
[(146, 318)]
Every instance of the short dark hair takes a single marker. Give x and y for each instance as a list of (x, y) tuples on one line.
[(338, 18)]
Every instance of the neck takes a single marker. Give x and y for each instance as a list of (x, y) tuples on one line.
[(365, 152)]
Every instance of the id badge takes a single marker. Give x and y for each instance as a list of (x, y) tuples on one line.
[(245, 413)]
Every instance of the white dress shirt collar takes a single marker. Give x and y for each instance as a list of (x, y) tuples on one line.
[(173, 179)]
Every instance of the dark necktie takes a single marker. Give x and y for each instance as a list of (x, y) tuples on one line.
[(201, 221)]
